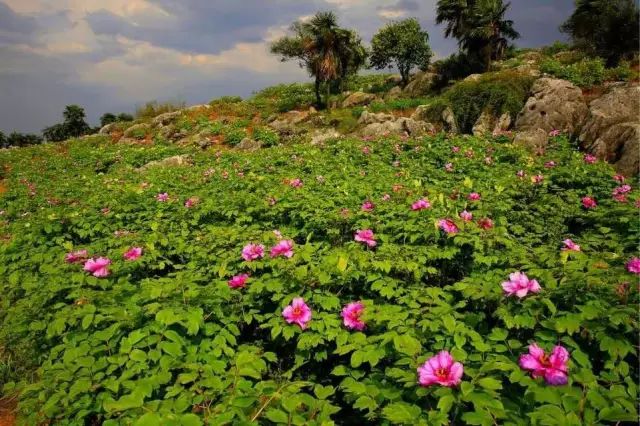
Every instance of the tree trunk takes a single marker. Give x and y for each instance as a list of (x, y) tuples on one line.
[(328, 94), (317, 90)]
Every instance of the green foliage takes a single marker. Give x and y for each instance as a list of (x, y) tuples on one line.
[(283, 98), (164, 340), (328, 52), (500, 92), (266, 135), (402, 44), (369, 83), (586, 73), (21, 139), (108, 118), (400, 104), (608, 29), (556, 47), (73, 125), (456, 67), (154, 108)]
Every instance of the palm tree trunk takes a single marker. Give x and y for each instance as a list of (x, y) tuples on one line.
[(317, 90)]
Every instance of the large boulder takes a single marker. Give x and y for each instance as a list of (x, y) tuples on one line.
[(419, 84), (400, 126), (322, 135), (369, 117), (446, 120), (487, 123), (107, 129), (176, 160), (359, 99), (166, 118), (248, 144), (554, 105), (535, 139), (137, 131), (611, 130), (394, 93), (449, 121)]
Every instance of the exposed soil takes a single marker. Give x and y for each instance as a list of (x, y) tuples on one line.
[(7, 411)]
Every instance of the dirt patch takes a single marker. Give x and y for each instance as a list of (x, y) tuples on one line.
[(8, 411)]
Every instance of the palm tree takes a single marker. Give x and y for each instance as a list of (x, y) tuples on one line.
[(490, 31), (479, 25), (328, 52)]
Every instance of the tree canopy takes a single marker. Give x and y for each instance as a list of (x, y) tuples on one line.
[(403, 44), (328, 52), (73, 126), (606, 28)]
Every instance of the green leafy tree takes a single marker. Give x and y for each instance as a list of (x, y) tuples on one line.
[(328, 52), (403, 44), (73, 126), (3, 140), (23, 139), (479, 25), (605, 28), (123, 116), (107, 118)]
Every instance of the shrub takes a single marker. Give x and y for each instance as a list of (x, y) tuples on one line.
[(267, 136), (284, 97), (497, 93), (455, 67), (154, 108), (585, 73), (556, 47)]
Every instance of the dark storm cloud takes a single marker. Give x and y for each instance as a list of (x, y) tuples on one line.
[(15, 28), (538, 21), (204, 26)]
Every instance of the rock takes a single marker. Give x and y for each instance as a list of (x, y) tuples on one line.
[(554, 104), (422, 113), (383, 129), (611, 130), (249, 144), (197, 107), (312, 110), (107, 129), (529, 70), (166, 118), (369, 117), (536, 138), (176, 160), (288, 119), (167, 132), (420, 84), (473, 77), (503, 123), (359, 99), (394, 93), (137, 131), (484, 124), (449, 121), (395, 79), (416, 127), (321, 136)]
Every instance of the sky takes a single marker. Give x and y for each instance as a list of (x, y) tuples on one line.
[(114, 55)]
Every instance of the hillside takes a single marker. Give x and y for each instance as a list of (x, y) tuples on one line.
[(150, 273)]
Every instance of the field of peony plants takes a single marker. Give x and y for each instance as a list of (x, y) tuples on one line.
[(426, 282)]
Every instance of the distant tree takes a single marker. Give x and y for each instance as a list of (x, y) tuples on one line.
[(328, 52), (3, 140), (479, 25), (403, 44), (73, 125), (123, 116), (605, 28), (107, 118), (23, 139)]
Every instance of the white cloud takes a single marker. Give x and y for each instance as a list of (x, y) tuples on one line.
[(392, 13)]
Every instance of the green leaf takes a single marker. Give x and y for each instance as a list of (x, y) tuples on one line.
[(407, 344), (401, 413)]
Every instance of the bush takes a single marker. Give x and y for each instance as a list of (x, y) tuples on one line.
[(267, 136), (456, 67), (500, 92), (284, 97), (369, 83), (556, 47), (154, 108)]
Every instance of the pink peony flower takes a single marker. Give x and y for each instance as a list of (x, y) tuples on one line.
[(98, 267), (440, 369), (162, 197), (474, 196), (485, 223), (466, 216), (520, 285), (448, 167), (569, 245), (283, 248), (133, 253), (619, 178), (589, 203), (386, 197), (553, 367), (455, 149), (76, 256), (351, 314), (448, 226), (238, 281), (190, 202), (520, 173), (621, 198), (488, 160), (537, 179), (252, 252), (633, 265), (421, 204), (367, 206), (295, 183), (297, 313), (554, 133), (624, 189), (589, 159), (550, 164), (366, 236), (468, 153), (366, 150)]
